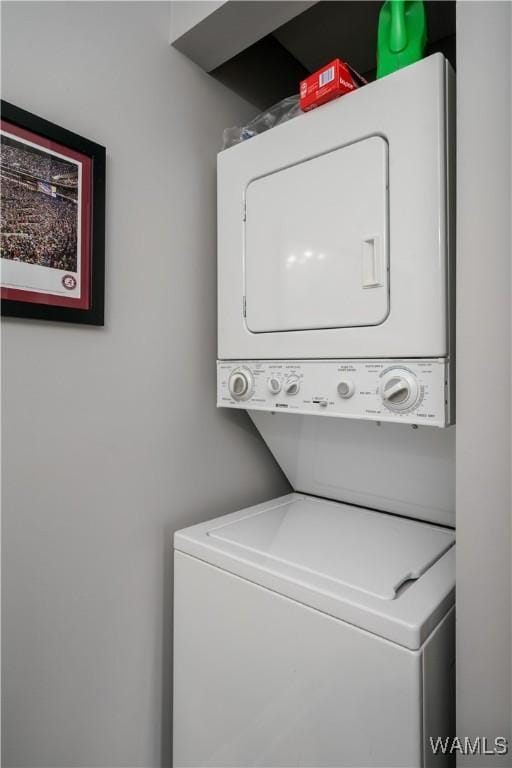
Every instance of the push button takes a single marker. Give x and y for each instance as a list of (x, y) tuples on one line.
[(346, 388)]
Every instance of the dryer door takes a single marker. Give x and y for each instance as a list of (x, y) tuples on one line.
[(316, 242)]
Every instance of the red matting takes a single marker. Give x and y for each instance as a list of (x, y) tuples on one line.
[(35, 297)]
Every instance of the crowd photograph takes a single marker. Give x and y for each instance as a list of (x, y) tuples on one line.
[(39, 210)]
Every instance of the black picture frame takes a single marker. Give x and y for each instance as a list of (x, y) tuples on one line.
[(94, 313)]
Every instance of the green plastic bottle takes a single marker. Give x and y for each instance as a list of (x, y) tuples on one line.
[(402, 35)]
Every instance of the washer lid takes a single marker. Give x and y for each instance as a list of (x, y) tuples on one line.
[(390, 575), (369, 551)]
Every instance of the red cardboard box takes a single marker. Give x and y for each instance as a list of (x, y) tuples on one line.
[(333, 80)]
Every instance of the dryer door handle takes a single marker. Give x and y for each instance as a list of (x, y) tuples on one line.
[(372, 262)]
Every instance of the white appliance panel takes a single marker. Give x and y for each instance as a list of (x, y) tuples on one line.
[(411, 110), (262, 680), (316, 245), (405, 471), (406, 391), (438, 662)]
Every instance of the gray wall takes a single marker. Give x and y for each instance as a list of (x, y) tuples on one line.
[(484, 376), (111, 436)]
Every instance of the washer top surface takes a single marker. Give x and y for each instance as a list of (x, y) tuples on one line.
[(370, 551), (387, 574)]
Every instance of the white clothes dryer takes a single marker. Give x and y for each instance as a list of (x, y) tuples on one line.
[(335, 229), (336, 257)]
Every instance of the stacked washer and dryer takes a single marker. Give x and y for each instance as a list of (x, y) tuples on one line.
[(317, 629)]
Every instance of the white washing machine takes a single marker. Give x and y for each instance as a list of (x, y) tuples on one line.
[(317, 629), (312, 633)]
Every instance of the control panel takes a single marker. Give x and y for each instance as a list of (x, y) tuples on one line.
[(408, 391)]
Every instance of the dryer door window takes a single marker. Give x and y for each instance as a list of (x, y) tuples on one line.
[(316, 242)]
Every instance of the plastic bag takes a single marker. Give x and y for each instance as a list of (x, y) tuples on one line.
[(284, 110)]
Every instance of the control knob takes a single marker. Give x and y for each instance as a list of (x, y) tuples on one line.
[(292, 385), (241, 384), (400, 390), (274, 385)]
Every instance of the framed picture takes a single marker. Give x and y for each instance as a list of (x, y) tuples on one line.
[(52, 221)]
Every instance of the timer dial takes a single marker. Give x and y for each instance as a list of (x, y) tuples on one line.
[(241, 384), (400, 390)]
